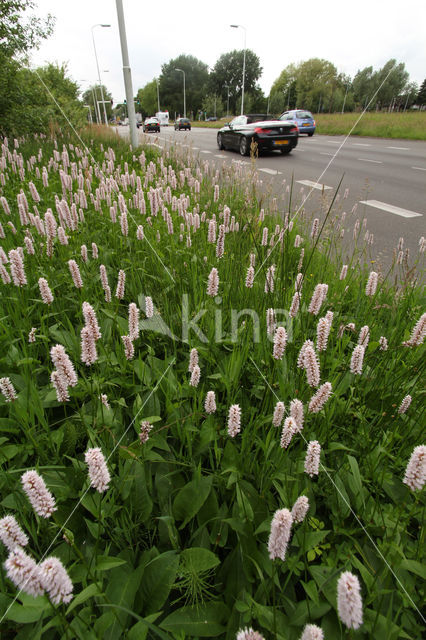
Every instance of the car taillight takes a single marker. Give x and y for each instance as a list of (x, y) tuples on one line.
[(262, 130), (294, 129), (313, 123)]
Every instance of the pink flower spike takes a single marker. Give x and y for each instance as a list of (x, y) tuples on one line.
[(415, 474), (312, 632), (213, 283), (23, 572), (320, 398), (300, 509), (280, 534), (349, 603), (289, 429), (278, 414), (45, 292), (312, 459), (11, 533), (55, 580), (234, 420), (98, 471), (38, 494), (405, 404), (210, 402), (8, 390), (280, 341), (144, 431)]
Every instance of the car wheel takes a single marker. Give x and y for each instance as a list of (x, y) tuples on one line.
[(310, 135), (220, 142), (244, 146), (285, 151)]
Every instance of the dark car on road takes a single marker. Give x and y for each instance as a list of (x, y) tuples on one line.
[(151, 124), (183, 123), (304, 120), (265, 131)]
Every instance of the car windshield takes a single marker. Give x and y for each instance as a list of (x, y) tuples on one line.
[(303, 114)]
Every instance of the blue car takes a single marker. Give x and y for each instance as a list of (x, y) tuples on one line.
[(305, 120)]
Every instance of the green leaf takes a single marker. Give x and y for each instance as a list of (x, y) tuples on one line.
[(199, 559), (191, 498), (30, 611), (123, 585), (107, 562), (203, 621), (88, 592), (414, 567), (158, 579)]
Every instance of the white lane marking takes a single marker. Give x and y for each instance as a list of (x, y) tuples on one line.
[(272, 172), (314, 185), (205, 151), (323, 153), (390, 208), (196, 148), (334, 142), (401, 148), (368, 160), (419, 168), (360, 144), (220, 155)]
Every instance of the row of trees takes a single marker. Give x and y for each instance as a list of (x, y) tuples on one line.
[(314, 84)]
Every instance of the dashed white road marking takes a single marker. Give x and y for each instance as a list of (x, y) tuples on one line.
[(220, 155), (205, 151), (334, 142), (401, 148), (314, 185), (323, 153), (368, 160), (272, 172), (361, 144), (390, 208), (419, 168)]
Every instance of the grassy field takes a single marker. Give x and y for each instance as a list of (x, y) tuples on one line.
[(411, 126), (206, 416)]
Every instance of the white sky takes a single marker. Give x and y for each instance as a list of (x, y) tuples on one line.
[(351, 35)]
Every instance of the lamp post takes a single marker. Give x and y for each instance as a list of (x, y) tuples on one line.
[(235, 26), (158, 94), (99, 73), (227, 101), (184, 93)]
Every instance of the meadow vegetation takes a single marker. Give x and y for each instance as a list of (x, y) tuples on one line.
[(206, 417), (409, 125)]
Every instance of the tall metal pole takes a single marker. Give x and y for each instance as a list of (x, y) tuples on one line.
[(184, 92), (227, 101), (158, 94), (235, 26), (127, 74), (99, 73)]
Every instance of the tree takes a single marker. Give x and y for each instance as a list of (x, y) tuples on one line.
[(316, 84), (378, 89), (228, 71), (17, 36), (148, 99), (421, 96), (171, 84), (93, 94), (283, 94)]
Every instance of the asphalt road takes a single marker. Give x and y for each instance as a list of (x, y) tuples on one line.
[(385, 180)]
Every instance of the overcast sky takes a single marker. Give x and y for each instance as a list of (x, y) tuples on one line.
[(350, 35)]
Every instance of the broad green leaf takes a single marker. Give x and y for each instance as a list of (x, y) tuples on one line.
[(205, 621), (107, 562), (158, 579), (29, 612), (123, 585), (414, 567), (191, 498), (199, 559), (88, 592)]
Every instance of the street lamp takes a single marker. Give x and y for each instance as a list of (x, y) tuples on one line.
[(227, 101), (184, 93), (99, 73), (158, 94), (235, 26)]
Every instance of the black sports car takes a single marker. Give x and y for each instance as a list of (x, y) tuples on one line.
[(263, 130)]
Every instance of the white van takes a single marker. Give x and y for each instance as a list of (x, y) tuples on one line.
[(163, 118)]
